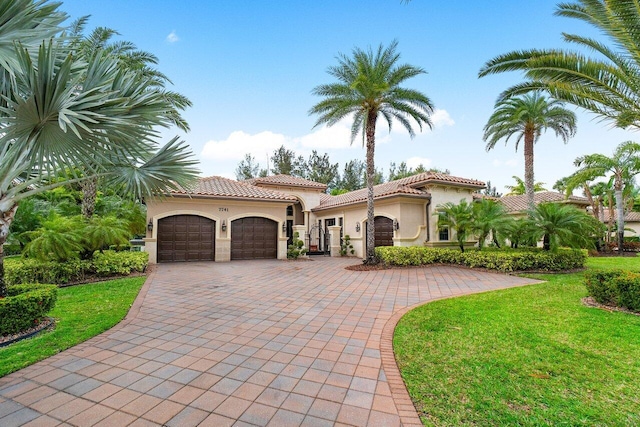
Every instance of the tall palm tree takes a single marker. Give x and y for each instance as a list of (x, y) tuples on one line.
[(621, 168), (607, 84), (527, 117), (60, 114), (519, 188), (368, 87)]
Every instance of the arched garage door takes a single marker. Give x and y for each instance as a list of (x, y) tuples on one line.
[(254, 238), (186, 238), (384, 231)]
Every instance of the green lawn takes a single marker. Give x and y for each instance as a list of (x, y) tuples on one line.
[(81, 312), (527, 356)]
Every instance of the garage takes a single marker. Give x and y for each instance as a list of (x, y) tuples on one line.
[(384, 231), (185, 238), (254, 238)]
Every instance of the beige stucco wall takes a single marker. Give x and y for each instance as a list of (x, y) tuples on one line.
[(219, 210)]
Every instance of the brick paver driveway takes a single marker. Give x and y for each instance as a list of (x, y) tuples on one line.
[(243, 343)]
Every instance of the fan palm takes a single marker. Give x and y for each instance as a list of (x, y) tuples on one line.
[(62, 113), (368, 87), (459, 218), (527, 117), (607, 84), (621, 168)]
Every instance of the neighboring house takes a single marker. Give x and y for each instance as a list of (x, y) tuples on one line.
[(517, 205), (221, 219), (631, 222)]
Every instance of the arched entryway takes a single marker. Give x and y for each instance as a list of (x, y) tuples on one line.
[(254, 238), (184, 238)]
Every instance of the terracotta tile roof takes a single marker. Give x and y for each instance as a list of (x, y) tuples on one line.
[(217, 186), (434, 178), (405, 186), (519, 203), (287, 180), (628, 217)]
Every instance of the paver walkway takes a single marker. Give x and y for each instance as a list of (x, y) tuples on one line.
[(242, 343)]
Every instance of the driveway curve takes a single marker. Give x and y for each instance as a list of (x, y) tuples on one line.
[(245, 343)]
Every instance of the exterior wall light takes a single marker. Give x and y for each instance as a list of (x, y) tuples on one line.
[(284, 227), (224, 225), (357, 227), (396, 224), (150, 226)]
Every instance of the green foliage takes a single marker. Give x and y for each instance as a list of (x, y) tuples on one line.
[(458, 218), (615, 287), (488, 218), (562, 225), (59, 239), (104, 264), (503, 260), (101, 232), (346, 248), (296, 249), (111, 263), (25, 306)]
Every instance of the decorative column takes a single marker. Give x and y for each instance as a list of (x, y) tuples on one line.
[(334, 244)]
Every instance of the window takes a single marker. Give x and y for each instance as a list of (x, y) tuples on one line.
[(289, 210), (443, 233)]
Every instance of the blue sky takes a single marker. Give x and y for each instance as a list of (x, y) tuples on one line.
[(249, 68)]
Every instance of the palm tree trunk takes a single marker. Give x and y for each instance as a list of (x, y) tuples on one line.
[(6, 218), (528, 168), (546, 242), (610, 224), (371, 170), (89, 193), (620, 219)]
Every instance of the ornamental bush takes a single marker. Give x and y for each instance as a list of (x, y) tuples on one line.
[(617, 287), (503, 260), (103, 264), (25, 306)]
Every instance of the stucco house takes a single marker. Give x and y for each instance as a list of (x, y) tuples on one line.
[(221, 219)]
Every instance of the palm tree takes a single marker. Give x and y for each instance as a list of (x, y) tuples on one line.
[(621, 168), (368, 87), (61, 114), (488, 218), (519, 188), (527, 117), (608, 84), (561, 225), (459, 218)]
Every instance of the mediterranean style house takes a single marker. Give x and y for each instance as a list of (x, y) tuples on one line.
[(222, 220)]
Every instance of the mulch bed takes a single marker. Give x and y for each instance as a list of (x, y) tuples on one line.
[(46, 324), (591, 302)]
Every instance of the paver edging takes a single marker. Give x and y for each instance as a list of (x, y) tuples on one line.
[(134, 310), (406, 409)]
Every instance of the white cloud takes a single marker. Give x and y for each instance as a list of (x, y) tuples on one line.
[(414, 162), (172, 37), (335, 137), (441, 118), (239, 143)]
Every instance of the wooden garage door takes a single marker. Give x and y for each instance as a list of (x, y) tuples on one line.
[(254, 238), (184, 238), (384, 231)]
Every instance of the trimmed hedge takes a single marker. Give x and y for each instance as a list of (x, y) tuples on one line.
[(103, 264), (616, 287), (25, 306), (503, 260)]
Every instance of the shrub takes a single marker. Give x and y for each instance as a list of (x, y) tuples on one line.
[(503, 260), (111, 263), (25, 306), (103, 264), (346, 248), (296, 249), (617, 287)]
